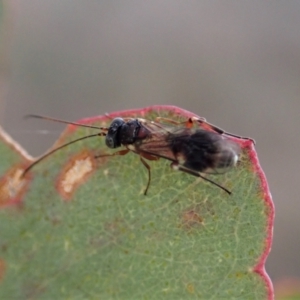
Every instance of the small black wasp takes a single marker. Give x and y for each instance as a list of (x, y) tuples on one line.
[(194, 150)]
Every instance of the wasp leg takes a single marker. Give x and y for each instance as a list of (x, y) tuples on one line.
[(121, 152), (145, 155), (210, 126), (149, 173), (177, 166), (149, 157), (188, 123)]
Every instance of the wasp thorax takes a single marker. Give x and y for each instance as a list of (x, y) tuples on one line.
[(112, 139), (130, 131)]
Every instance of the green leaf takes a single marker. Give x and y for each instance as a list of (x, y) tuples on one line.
[(83, 229)]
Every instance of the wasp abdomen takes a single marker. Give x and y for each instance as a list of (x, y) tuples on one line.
[(202, 150)]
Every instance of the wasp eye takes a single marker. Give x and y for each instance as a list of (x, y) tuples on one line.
[(116, 124), (109, 141)]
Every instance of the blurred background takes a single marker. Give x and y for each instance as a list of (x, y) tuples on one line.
[(236, 63)]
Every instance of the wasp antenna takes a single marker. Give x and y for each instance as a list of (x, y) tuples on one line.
[(63, 121), (58, 148)]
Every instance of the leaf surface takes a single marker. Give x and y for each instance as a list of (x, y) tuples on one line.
[(81, 228)]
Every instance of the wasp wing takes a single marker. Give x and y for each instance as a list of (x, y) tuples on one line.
[(195, 149), (157, 143)]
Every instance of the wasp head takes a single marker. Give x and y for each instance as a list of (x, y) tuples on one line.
[(112, 139)]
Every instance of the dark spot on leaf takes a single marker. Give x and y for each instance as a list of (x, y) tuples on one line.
[(191, 218), (194, 216), (2, 269), (239, 275), (251, 252), (190, 288)]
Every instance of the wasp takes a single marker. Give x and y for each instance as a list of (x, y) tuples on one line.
[(190, 149)]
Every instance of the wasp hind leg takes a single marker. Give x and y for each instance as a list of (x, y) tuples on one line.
[(149, 157), (179, 167), (219, 130), (189, 123), (204, 124)]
